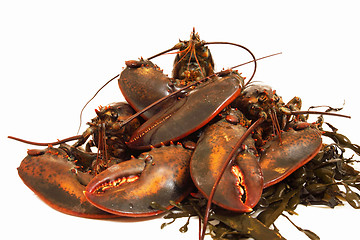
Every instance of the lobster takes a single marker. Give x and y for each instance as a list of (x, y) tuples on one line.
[(200, 130)]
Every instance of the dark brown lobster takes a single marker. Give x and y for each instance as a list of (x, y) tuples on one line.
[(197, 131)]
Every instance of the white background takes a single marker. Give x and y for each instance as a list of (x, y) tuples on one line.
[(55, 55)]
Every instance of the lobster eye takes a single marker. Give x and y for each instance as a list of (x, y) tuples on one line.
[(181, 45), (276, 98), (204, 52), (114, 115), (262, 98)]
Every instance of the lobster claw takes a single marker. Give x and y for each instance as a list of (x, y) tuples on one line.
[(55, 180), (129, 188), (183, 116), (279, 160), (241, 185), (142, 83)]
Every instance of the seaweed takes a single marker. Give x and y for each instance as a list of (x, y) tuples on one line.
[(316, 183)]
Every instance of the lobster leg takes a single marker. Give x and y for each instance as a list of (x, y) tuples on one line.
[(54, 178), (129, 188), (279, 160), (241, 185)]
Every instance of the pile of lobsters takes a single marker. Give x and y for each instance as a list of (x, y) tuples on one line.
[(211, 135)]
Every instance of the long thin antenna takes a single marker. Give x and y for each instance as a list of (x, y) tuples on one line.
[(243, 47), (317, 112), (163, 52), (77, 137), (242, 64), (92, 99)]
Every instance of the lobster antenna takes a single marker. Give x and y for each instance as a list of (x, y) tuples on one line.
[(77, 137), (243, 47), (163, 52), (92, 99), (242, 64), (318, 112)]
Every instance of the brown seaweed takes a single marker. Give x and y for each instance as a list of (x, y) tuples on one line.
[(316, 183)]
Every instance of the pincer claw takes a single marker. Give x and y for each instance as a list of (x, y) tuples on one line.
[(129, 188), (241, 185), (297, 148), (53, 177)]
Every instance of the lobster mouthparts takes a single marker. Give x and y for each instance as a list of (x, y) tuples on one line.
[(131, 188)]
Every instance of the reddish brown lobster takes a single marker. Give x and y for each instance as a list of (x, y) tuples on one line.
[(197, 131)]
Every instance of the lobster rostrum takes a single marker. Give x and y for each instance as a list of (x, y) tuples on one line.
[(196, 130)]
